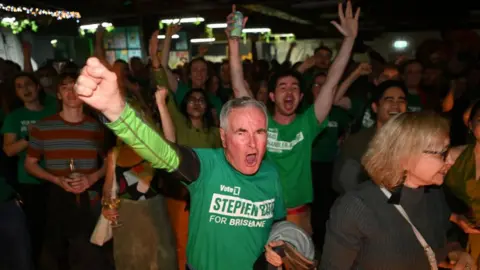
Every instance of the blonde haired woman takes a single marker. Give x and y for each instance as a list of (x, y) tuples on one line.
[(396, 221)]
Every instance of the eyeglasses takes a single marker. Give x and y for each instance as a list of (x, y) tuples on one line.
[(443, 154), (197, 101)]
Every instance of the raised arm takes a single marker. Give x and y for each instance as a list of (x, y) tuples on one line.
[(99, 50), (361, 70), (27, 57), (348, 27), (97, 86), (240, 89), (165, 117), (172, 80)]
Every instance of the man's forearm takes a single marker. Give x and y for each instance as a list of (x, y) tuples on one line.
[(236, 70), (172, 82), (324, 100), (37, 171), (335, 71), (15, 148), (145, 140), (345, 85)]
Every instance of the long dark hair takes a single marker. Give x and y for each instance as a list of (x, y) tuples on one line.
[(208, 121), (31, 76)]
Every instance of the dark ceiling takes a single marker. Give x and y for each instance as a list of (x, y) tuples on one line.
[(305, 18)]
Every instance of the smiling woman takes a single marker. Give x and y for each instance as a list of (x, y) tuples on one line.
[(392, 215)]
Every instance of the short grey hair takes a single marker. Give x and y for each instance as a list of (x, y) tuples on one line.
[(240, 103)]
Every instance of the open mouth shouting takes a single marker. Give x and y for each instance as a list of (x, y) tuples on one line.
[(289, 103), (251, 160)]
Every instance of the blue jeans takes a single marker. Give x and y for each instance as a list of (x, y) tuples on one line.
[(15, 247)]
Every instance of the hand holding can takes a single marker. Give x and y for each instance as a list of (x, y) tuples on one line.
[(235, 23)]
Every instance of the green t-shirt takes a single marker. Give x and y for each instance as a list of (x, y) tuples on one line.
[(231, 214), (414, 104), (182, 90), (6, 191), (51, 102), (17, 122), (290, 148), (325, 146), (189, 136)]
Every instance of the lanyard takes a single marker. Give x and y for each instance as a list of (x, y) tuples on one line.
[(428, 250)]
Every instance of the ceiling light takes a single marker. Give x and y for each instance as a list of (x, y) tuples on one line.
[(202, 40), (53, 42), (286, 35), (95, 26), (400, 44), (183, 20), (173, 37), (217, 25), (256, 30)]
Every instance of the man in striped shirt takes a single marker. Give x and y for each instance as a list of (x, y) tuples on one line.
[(68, 138)]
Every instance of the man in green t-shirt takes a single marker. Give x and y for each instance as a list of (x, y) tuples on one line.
[(290, 135), (235, 195)]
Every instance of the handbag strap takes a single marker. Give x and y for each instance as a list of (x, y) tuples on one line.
[(428, 250)]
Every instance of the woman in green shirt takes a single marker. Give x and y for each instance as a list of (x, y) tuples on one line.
[(15, 142)]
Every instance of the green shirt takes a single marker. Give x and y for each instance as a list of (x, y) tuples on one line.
[(325, 146), (231, 214), (51, 101), (290, 148), (17, 123), (414, 103), (190, 136), (183, 89), (6, 191)]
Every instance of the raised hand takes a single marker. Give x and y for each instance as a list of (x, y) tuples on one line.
[(364, 69), (98, 87), (231, 22), (348, 23), (173, 29)]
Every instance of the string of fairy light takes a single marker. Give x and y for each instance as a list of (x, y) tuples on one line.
[(18, 26), (33, 11)]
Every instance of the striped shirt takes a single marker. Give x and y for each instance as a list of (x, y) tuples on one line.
[(58, 142)]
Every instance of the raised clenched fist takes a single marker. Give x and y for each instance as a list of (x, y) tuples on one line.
[(98, 87)]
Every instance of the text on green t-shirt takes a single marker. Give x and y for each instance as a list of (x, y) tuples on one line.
[(290, 148), (231, 214)]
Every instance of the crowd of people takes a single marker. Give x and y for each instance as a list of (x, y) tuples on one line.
[(323, 164)]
